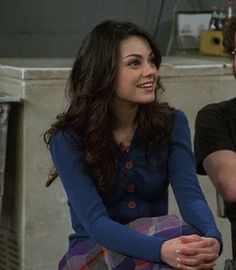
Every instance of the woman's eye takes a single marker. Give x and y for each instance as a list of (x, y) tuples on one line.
[(134, 63)]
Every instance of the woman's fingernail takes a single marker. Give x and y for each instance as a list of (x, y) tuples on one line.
[(178, 259), (178, 266), (178, 251)]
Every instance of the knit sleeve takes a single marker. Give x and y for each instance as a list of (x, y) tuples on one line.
[(89, 208), (183, 178)]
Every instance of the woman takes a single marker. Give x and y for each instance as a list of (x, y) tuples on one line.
[(116, 149)]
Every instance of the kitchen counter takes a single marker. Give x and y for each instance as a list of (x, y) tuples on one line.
[(33, 69)]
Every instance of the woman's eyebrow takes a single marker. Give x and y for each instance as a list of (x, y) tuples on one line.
[(136, 55), (132, 55)]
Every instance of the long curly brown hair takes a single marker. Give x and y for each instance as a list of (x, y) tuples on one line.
[(90, 90), (229, 31)]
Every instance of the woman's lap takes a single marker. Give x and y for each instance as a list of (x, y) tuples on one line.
[(87, 255)]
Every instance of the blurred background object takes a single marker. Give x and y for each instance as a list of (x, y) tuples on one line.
[(56, 28)]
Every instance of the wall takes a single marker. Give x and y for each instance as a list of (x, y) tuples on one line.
[(190, 94), (40, 216), (55, 28)]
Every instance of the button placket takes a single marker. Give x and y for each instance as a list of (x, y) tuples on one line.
[(129, 165), (131, 204), (130, 188)]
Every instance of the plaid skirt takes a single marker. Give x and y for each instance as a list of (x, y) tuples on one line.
[(88, 255)]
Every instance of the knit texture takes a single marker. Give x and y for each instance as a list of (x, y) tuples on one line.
[(101, 216)]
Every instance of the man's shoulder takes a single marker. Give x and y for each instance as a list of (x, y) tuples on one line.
[(223, 106)]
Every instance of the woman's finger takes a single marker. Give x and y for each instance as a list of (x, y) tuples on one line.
[(190, 238)]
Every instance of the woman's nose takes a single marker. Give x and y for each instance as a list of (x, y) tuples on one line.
[(149, 70)]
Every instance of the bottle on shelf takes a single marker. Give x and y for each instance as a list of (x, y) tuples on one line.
[(221, 18), (213, 24), (229, 10)]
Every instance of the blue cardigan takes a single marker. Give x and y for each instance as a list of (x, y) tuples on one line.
[(139, 192)]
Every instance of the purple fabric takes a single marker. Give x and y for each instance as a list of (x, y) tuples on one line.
[(88, 255)]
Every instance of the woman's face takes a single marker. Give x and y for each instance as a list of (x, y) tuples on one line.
[(137, 74)]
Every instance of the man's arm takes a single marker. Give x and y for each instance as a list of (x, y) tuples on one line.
[(220, 166)]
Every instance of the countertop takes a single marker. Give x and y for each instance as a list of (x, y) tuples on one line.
[(172, 66)]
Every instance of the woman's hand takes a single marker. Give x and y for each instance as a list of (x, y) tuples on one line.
[(198, 255), (190, 252)]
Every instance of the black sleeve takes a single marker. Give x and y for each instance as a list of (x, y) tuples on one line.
[(212, 133)]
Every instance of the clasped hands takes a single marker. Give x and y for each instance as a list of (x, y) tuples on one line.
[(191, 252)]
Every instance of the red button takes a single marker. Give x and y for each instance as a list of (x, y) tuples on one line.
[(129, 164), (131, 205), (130, 188)]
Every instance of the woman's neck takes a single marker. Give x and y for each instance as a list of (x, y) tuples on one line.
[(125, 125), (125, 115)]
